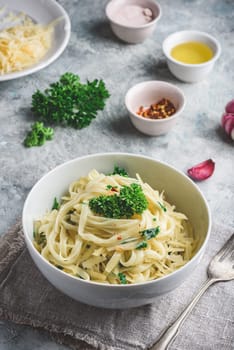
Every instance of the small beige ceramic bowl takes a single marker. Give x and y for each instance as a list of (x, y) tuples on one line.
[(150, 92), (190, 73), (132, 33)]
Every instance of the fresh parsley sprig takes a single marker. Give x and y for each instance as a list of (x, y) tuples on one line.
[(130, 200), (68, 102), (38, 135)]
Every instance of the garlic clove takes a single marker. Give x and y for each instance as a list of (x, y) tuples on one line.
[(202, 170), (230, 107)]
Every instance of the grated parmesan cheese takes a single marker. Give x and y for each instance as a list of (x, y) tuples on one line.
[(24, 45)]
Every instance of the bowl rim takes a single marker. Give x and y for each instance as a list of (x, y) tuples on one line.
[(99, 284), (205, 35), (142, 26), (156, 82)]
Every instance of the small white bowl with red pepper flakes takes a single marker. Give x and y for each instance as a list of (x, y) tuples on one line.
[(133, 21), (154, 106)]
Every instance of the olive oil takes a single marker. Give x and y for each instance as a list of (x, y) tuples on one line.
[(192, 52)]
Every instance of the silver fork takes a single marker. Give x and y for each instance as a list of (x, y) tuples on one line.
[(221, 268)]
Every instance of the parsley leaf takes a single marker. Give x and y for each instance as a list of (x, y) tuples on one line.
[(122, 278), (142, 245), (150, 233), (56, 204), (119, 171)]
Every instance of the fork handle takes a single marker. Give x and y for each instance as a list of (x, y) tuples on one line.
[(169, 335)]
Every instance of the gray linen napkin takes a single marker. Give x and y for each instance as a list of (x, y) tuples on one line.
[(27, 298)]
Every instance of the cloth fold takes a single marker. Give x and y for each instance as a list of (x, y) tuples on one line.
[(26, 297)]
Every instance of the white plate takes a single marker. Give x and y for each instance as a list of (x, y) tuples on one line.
[(43, 12)]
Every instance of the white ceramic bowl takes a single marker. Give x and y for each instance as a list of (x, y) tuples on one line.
[(190, 73), (128, 33), (149, 92), (42, 12), (179, 190)]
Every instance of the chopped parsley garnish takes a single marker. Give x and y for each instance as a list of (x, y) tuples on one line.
[(130, 200), (142, 245), (119, 171), (150, 233), (162, 206), (122, 278), (56, 204), (147, 234), (154, 219)]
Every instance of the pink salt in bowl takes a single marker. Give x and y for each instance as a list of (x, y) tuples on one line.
[(133, 21)]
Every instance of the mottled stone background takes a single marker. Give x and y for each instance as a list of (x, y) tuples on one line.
[(94, 52)]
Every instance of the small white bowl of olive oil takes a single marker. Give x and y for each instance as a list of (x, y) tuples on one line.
[(191, 55)]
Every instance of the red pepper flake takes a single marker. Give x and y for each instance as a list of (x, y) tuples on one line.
[(114, 189), (119, 238), (160, 110), (202, 170)]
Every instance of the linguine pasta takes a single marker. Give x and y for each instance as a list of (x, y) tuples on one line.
[(109, 250)]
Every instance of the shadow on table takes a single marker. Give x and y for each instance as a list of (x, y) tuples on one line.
[(121, 125), (223, 136), (27, 114), (102, 31), (158, 70)]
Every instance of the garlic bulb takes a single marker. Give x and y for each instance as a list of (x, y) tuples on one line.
[(228, 119), (230, 107)]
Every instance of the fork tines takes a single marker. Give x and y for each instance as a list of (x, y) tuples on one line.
[(227, 251)]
